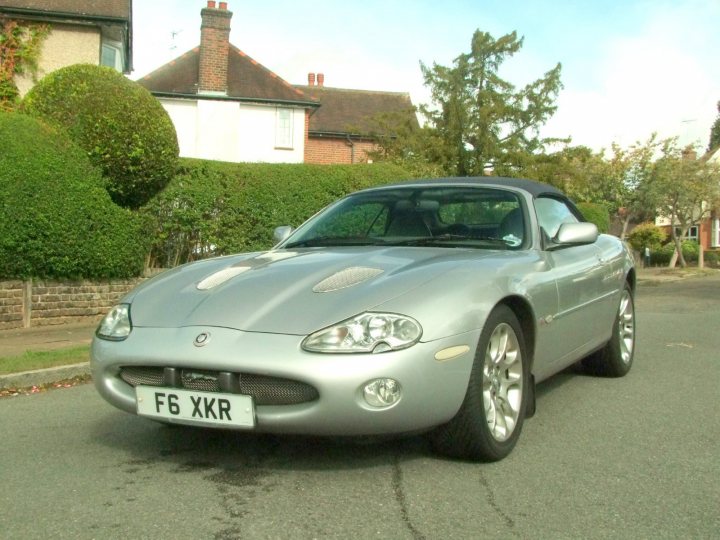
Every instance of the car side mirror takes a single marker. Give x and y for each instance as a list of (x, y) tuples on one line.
[(282, 232), (574, 234)]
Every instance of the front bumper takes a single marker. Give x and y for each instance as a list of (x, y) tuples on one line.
[(432, 390)]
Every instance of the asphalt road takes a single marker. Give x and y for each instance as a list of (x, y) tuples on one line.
[(637, 457)]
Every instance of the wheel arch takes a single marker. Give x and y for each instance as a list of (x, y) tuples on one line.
[(526, 317), (631, 279)]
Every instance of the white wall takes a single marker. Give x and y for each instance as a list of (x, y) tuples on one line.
[(232, 131)]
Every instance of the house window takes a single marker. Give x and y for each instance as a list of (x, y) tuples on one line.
[(715, 239), (284, 128), (692, 233), (111, 55)]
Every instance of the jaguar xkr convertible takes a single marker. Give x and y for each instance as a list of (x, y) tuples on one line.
[(427, 306)]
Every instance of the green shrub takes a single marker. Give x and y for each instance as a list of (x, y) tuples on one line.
[(662, 256), (647, 235), (56, 219), (121, 126), (712, 258), (215, 208), (597, 214)]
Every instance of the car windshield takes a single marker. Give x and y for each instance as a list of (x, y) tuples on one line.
[(429, 216)]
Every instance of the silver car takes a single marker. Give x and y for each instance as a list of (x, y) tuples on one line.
[(427, 306)]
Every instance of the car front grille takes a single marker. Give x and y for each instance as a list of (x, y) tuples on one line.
[(264, 390)]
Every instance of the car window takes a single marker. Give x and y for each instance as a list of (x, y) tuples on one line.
[(479, 212), (365, 219), (551, 213), (452, 216)]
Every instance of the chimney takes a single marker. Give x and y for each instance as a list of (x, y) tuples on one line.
[(311, 79), (321, 79), (214, 48), (689, 153)]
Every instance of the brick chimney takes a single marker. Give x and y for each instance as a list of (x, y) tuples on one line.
[(321, 79), (311, 79), (214, 48)]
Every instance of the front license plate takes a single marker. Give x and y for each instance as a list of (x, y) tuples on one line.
[(199, 407)]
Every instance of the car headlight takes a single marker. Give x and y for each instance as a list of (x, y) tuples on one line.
[(116, 325), (369, 332)]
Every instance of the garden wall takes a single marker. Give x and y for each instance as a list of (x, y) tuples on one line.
[(42, 303)]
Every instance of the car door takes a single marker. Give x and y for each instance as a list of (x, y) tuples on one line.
[(579, 272)]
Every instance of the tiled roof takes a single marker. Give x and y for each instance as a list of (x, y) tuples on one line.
[(354, 112), (94, 8), (247, 79)]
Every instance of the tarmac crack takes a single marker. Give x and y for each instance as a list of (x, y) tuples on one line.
[(492, 501), (400, 498)]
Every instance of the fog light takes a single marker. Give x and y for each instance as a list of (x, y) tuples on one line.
[(382, 392)]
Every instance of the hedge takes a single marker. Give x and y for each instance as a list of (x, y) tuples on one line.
[(56, 219), (597, 214), (122, 127), (216, 208), (662, 256)]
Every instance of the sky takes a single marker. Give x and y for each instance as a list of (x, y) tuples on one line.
[(629, 67)]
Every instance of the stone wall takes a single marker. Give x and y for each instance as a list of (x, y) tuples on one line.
[(41, 303), (11, 304)]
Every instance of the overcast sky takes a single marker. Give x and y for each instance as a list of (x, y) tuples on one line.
[(629, 67)]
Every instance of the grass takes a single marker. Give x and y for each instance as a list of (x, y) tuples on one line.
[(30, 360)]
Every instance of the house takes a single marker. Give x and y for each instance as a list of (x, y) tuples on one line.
[(712, 225), (92, 32), (707, 232), (226, 106), (340, 131)]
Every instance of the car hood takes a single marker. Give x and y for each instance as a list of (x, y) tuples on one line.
[(288, 292)]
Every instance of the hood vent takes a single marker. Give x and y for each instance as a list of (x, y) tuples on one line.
[(346, 278), (213, 280), (225, 274)]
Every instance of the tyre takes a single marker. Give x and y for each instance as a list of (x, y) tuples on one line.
[(616, 357), (488, 424)]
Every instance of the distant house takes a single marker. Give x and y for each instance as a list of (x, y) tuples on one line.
[(225, 105), (341, 130), (89, 31), (712, 225), (707, 232), (228, 107)]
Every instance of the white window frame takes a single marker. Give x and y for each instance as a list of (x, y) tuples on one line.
[(284, 128), (692, 233), (116, 47), (715, 237)]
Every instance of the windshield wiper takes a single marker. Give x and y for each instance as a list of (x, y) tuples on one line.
[(335, 241), (444, 239)]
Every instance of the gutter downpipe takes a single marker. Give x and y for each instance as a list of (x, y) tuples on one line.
[(352, 149)]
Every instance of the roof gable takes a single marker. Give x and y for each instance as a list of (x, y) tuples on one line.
[(247, 79)]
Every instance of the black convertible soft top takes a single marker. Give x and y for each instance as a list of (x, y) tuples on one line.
[(534, 188)]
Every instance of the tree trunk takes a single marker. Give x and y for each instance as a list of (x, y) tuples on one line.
[(677, 256), (678, 251), (625, 225)]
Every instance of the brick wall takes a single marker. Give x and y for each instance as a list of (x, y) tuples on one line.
[(327, 151), (43, 303)]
